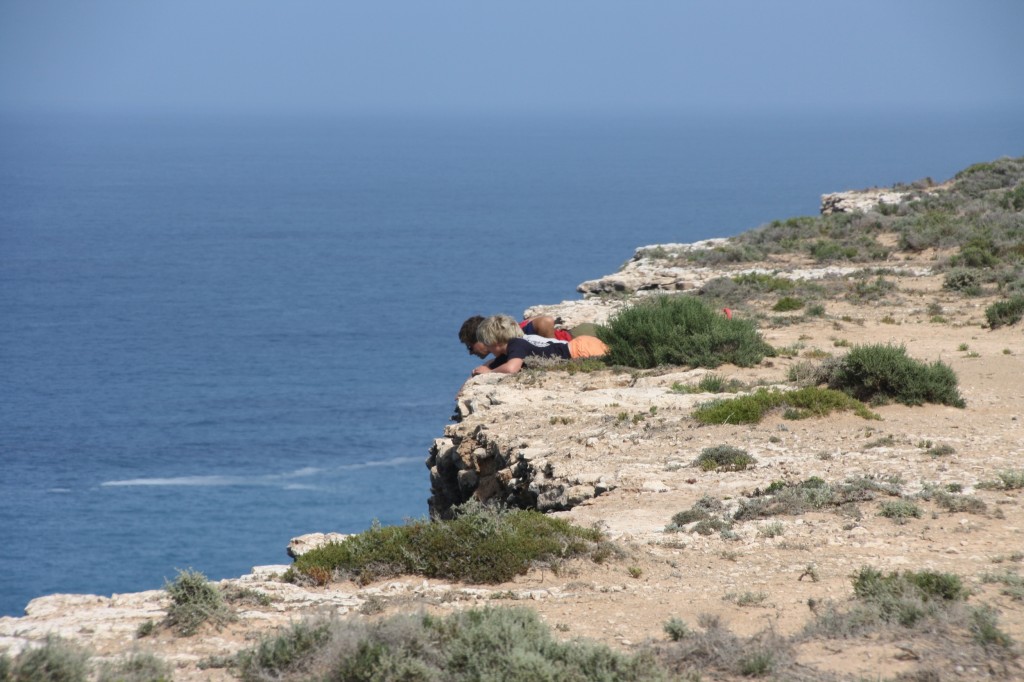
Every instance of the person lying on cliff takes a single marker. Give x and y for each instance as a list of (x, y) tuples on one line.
[(503, 337), (542, 325)]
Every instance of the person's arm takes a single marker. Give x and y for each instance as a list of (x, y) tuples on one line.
[(511, 366)]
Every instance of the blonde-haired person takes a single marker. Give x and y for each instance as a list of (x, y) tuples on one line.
[(503, 337)]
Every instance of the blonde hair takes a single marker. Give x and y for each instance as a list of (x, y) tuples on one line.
[(498, 329)]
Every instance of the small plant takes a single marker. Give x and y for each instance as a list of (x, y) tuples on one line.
[(194, 601), (962, 347), (724, 458), (882, 442), (635, 571), (888, 319), (771, 530), (746, 598), (941, 450), (145, 629), (899, 510), (757, 664), (676, 629)]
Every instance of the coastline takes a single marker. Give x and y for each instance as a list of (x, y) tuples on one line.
[(560, 437)]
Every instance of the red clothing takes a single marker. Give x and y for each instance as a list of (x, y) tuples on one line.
[(560, 334)]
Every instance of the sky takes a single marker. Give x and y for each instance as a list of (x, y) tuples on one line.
[(413, 57)]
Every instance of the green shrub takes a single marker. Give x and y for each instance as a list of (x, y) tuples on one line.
[(899, 510), (705, 508), (1005, 313), (680, 330), (676, 629), (804, 402), (477, 644), (56, 661), (479, 545), (962, 280), (787, 304), (723, 458), (879, 373), (287, 652), (907, 597), (194, 601)]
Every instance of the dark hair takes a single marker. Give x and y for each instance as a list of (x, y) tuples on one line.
[(467, 334)]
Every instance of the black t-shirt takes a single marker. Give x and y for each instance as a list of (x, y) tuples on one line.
[(523, 348)]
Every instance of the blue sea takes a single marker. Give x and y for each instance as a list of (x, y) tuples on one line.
[(217, 334)]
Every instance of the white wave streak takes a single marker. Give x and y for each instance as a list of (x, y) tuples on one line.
[(265, 480)]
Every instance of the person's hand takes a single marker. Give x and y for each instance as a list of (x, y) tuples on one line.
[(482, 369)]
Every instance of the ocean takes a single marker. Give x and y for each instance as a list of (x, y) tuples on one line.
[(217, 334)]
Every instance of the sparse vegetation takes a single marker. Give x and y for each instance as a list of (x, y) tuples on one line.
[(57, 660), (801, 403), (136, 667), (1008, 480), (478, 644)]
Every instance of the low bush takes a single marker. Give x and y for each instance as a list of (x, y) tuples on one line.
[(880, 373), (703, 509), (802, 403), (195, 601), (723, 458), (787, 304), (962, 280), (479, 545), (1005, 313), (478, 644), (680, 330), (899, 510), (813, 494)]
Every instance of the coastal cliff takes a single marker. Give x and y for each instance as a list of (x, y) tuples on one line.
[(617, 448)]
